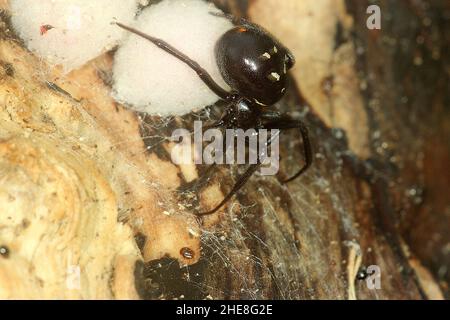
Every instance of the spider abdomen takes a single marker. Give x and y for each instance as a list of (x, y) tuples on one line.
[(254, 63)]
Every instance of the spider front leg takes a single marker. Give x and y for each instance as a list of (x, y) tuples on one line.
[(233, 19), (275, 120), (202, 73)]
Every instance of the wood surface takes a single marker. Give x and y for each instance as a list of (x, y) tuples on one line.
[(88, 185)]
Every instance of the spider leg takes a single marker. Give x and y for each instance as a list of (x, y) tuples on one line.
[(238, 185), (205, 177), (210, 171), (199, 182), (235, 20), (202, 73), (242, 180), (279, 121)]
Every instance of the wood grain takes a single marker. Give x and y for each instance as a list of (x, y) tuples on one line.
[(85, 182)]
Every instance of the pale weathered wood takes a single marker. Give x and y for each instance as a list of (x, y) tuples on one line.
[(86, 182)]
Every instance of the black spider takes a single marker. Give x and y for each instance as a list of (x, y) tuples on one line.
[(254, 64)]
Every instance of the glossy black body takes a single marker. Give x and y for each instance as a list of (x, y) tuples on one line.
[(241, 114), (255, 66)]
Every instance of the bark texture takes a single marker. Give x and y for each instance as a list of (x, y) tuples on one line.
[(89, 199)]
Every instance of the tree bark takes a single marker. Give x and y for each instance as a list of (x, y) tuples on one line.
[(89, 200)]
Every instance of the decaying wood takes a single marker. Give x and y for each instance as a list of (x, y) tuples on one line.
[(87, 184)]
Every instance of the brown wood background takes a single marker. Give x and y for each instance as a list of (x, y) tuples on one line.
[(377, 105)]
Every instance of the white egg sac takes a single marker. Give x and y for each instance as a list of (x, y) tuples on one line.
[(70, 32), (150, 80)]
